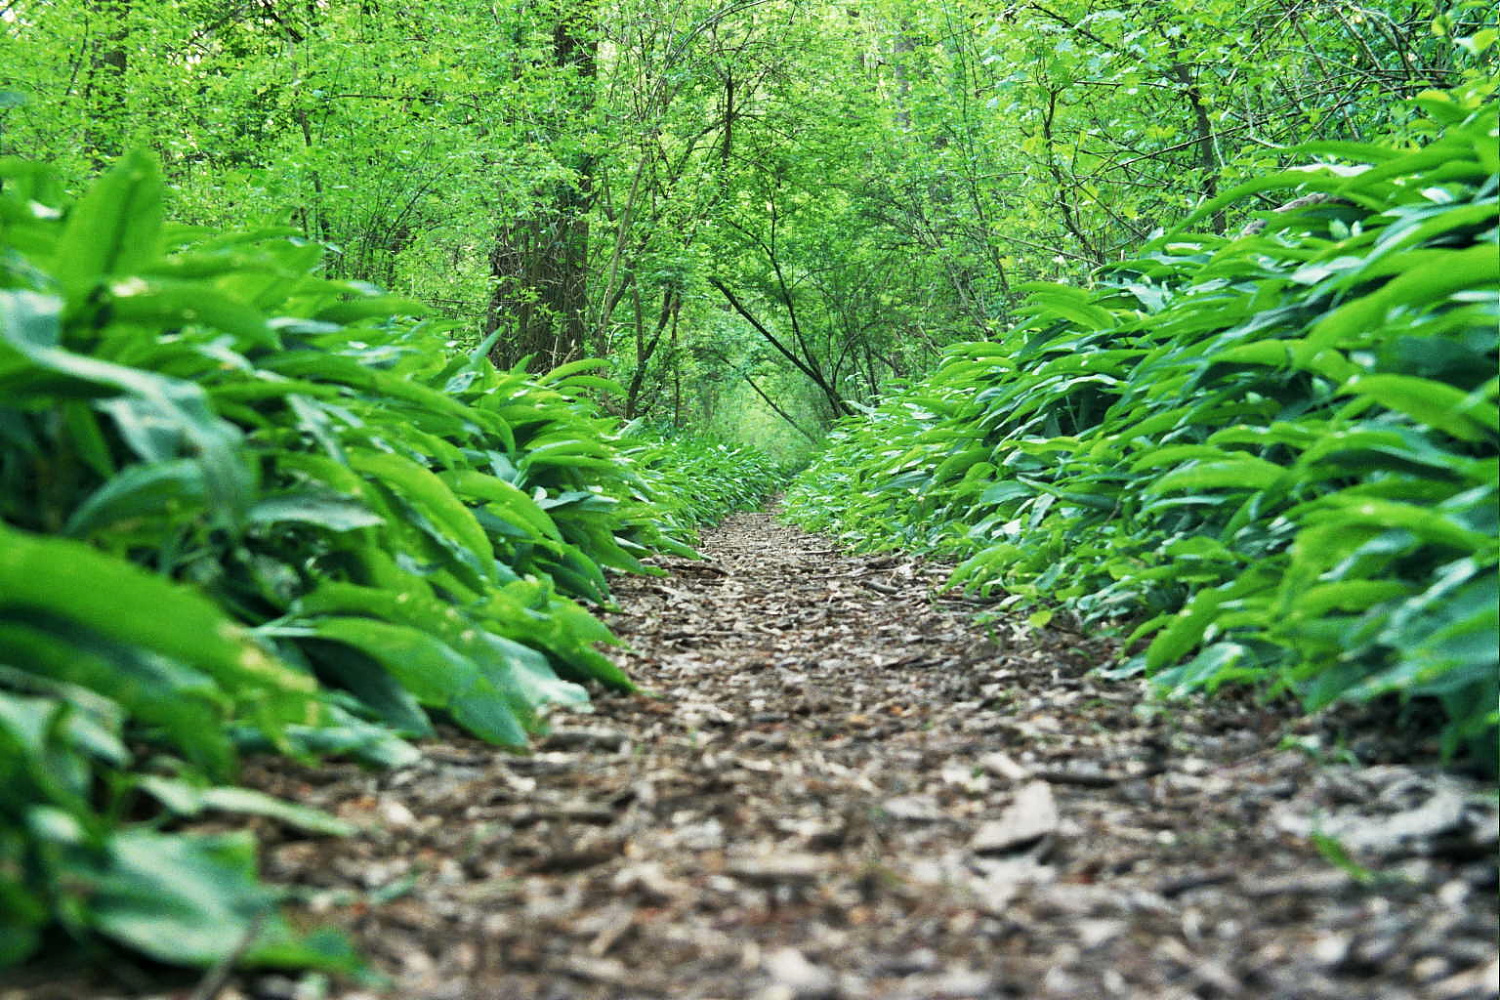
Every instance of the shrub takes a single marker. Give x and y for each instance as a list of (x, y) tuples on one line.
[(1277, 453), (245, 507)]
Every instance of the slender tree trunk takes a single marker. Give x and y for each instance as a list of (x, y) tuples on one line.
[(645, 347), (676, 379), (727, 148), (311, 215), (1208, 156), (1067, 189)]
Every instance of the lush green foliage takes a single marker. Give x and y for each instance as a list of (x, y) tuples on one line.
[(700, 479), (244, 506), (871, 181), (247, 501), (1277, 454)]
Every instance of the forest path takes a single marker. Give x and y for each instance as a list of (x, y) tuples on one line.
[(847, 789)]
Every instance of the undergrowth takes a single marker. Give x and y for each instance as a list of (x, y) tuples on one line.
[(246, 508), (1277, 452), (700, 478)]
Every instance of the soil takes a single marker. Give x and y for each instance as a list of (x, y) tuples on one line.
[(843, 786)]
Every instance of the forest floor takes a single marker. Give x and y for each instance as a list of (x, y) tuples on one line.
[(844, 787)]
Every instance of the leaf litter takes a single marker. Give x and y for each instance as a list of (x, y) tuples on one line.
[(842, 786)]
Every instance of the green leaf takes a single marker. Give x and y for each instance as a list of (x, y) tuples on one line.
[(562, 372), (323, 510), (115, 229), (377, 691), (1068, 303), (1344, 595), (608, 386), (190, 901), (181, 900), (435, 673), (186, 705), (118, 601), (374, 306), (528, 674), (1442, 273), (159, 488), (1435, 404), (159, 417), (1214, 666), (1366, 512), (430, 495), (164, 304), (1184, 631), (1238, 474), (1010, 490), (187, 799)]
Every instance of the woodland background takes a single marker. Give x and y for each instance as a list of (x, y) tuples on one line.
[(762, 213)]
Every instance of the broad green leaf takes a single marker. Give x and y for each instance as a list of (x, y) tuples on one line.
[(1443, 273), (435, 673), (1432, 403), (563, 372), (118, 601), (190, 901), (164, 304), (1185, 631), (1155, 458), (185, 704), (187, 799), (1010, 490), (1237, 474), (378, 693), (1429, 525), (321, 509), (1212, 667), (428, 493), (1067, 303), (181, 900), (159, 417), (172, 489), (1344, 595), (115, 229), (374, 306), (565, 446), (609, 387)]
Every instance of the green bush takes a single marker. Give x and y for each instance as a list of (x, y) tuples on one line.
[(1276, 454), (245, 507)]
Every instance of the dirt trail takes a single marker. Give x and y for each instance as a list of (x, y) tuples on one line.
[(847, 789)]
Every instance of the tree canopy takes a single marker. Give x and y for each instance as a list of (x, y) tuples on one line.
[(772, 207)]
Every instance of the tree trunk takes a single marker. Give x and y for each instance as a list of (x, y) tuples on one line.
[(104, 91), (540, 261)]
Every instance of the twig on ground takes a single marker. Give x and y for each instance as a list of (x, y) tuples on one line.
[(218, 977)]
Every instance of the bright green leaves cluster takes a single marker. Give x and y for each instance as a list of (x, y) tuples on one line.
[(700, 480), (244, 506), (1276, 452)]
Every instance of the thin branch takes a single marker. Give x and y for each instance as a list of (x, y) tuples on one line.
[(840, 408)]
